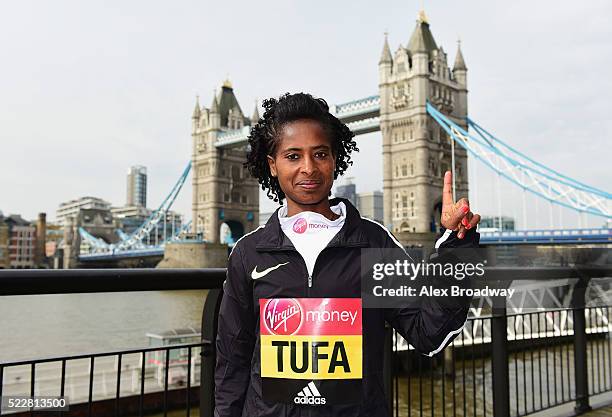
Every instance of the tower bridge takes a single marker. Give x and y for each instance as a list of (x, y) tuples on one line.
[(416, 150), (421, 110)]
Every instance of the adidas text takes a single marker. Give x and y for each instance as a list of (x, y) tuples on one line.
[(309, 400)]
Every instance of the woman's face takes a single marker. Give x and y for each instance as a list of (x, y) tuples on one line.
[(304, 163)]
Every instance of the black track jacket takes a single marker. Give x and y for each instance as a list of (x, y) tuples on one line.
[(238, 390)]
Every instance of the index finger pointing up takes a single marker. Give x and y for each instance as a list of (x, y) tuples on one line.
[(447, 190)]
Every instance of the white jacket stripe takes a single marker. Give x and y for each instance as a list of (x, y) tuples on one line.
[(443, 238)]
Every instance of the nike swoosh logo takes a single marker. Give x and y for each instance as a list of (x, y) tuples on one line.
[(257, 275)]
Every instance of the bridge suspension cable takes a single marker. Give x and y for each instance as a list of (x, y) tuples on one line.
[(136, 238), (523, 171)]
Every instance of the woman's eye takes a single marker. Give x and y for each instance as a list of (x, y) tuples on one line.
[(321, 154), (292, 156)]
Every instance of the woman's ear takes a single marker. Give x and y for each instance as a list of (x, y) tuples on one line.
[(272, 165)]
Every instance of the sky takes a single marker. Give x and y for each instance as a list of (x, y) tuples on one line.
[(88, 89)]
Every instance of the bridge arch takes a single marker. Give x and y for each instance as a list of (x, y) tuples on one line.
[(230, 231)]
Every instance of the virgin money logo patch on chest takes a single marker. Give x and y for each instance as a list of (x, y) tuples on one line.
[(300, 225), (311, 341), (282, 316)]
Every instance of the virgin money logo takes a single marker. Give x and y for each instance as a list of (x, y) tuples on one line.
[(283, 316), (300, 225)]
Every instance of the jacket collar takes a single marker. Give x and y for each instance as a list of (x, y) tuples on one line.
[(350, 235)]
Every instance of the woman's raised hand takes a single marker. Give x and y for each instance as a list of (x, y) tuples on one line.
[(456, 216)]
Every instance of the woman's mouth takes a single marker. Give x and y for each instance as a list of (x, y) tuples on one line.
[(309, 184)]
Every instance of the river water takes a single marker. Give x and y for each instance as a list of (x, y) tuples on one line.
[(40, 326)]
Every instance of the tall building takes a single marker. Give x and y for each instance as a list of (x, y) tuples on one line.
[(137, 186), (416, 151), (348, 191), (223, 190), (370, 205), (70, 209)]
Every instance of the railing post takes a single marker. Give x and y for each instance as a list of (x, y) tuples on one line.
[(388, 367), (499, 358), (581, 373), (209, 353)]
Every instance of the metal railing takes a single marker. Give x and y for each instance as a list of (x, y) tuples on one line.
[(501, 364), (132, 395), (511, 364), (126, 404)]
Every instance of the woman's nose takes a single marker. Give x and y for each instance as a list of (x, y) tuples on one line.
[(308, 166)]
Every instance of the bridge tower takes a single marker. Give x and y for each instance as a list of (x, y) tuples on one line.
[(416, 151), (223, 192)]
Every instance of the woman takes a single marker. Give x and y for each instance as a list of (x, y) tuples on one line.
[(293, 339)]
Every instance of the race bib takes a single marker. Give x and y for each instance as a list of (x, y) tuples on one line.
[(311, 350)]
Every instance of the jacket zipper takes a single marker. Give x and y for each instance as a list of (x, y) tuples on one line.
[(292, 249), (331, 244), (314, 267)]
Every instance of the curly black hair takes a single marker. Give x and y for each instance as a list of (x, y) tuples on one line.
[(265, 135)]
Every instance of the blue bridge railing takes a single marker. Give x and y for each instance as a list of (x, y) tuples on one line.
[(548, 236)]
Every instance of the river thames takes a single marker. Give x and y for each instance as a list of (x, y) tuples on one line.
[(37, 326)]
